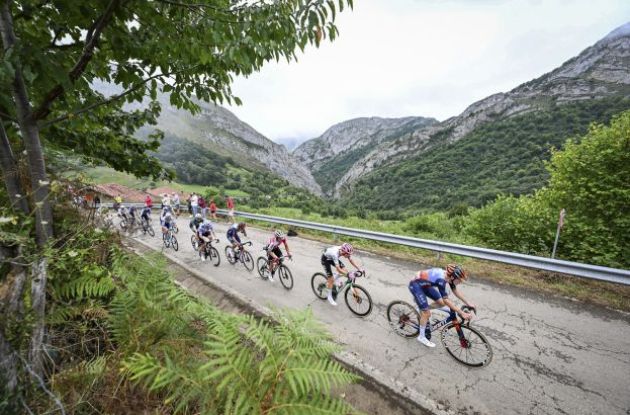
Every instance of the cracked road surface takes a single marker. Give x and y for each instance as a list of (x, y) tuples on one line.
[(551, 356)]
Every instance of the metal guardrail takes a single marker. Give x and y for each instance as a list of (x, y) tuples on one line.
[(594, 272)]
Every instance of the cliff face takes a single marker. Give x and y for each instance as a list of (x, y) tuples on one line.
[(222, 132), (600, 71)]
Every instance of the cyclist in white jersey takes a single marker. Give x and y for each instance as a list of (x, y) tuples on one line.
[(332, 257)]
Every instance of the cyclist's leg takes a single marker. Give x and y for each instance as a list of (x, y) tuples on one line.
[(419, 294), (275, 254)]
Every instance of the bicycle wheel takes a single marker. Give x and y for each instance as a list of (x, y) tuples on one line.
[(403, 318), (214, 256), (247, 260), (229, 254), (358, 300), (286, 279), (318, 284), (123, 224), (466, 345), (175, 228), (174, 243), (166, 240), (261, 266), (194, 243)]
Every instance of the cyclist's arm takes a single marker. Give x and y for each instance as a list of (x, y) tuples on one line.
[(286, 247), (459, 295), (354, 264), (446, 301)]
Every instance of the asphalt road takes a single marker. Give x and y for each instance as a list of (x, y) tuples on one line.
[(551, 356)]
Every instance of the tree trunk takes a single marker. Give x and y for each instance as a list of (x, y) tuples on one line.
[(11, 174), (12, 307), (40, 189)]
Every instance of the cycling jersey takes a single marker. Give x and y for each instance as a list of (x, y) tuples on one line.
[(273, 242), (330, 259), (146, 212), (232, 234), (429, 283), (205, 229), (195, 223)]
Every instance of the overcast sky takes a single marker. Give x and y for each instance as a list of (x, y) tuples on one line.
[(431, 58)]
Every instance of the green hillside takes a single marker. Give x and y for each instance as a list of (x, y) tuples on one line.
[(506, 156)]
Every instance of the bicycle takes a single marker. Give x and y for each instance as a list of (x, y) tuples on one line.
[(263, 264), (170, 240), (146, 226), (194, 241), (211, 252), (457, 336), (357, 298), (175, 228), (242, 255)]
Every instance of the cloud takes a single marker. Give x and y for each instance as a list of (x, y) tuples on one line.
[(432, 58)]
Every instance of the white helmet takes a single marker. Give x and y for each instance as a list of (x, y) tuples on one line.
[(279, 234)]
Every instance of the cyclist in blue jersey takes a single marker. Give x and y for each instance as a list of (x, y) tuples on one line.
[(432, 283), (205, 232), (232, 235), (166, 219)]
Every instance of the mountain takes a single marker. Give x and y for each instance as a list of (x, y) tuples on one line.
[(499, 144), (219, 131), (331, 155), (589, 87), (290, 143)]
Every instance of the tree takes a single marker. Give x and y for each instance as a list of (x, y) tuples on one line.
[(59, 57)]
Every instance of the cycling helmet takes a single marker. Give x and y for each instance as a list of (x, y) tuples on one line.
[(241, 225), (456, 271), (279, 234), (347, 249), (198, 215)]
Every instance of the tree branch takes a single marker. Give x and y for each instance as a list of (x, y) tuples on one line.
[(112, 98), (79, 67)]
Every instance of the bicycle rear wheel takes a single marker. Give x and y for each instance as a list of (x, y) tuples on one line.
[(193, 242), (214, 256), (467, 345), (318, 284), (247, 260), (358, 300), (403, 318), (261, 266), (285, 277)]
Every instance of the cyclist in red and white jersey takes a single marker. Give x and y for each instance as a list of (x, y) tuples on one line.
[(432, 283), (273, 251), (332, 257)]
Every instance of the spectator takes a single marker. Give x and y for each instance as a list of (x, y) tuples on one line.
[(202, 205), (175, 201), (194, 204), (97, 202), (189, 205), (230, 206), (117, 202), (148, 202), (213, 209)]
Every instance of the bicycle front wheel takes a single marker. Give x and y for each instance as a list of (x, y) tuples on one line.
[(214, 256), (358, 300), (247, 260), (261, 266), (467, 345), (174, 243), (403, 318), (285, 277), (318, 284)]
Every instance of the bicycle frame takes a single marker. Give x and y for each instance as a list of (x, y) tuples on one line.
[(348, 283)]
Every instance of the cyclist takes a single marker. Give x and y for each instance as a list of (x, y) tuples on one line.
[(330, 258), (122, 212), (132, 215), (273, 251), (232, 235), (166, 219), (194, 224), (205, 234), (432, 283), (146, 213)]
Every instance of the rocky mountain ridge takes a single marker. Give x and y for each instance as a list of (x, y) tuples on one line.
[(600, 71)]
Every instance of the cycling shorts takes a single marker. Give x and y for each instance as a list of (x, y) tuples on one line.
[(329, 264), (276, 251), (421, 291)]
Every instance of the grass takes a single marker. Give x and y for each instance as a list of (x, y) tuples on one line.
[(605, 294), (101, 175)]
